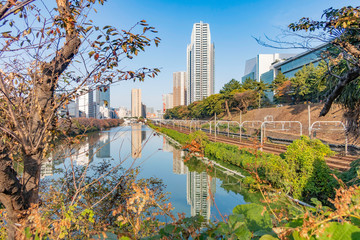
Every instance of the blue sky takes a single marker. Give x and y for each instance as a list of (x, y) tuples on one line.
[(232, 25)]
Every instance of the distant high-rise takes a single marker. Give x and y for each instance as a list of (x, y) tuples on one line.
[(143, 110), (103, 95), (85, 102), (167, 101), (102, 102), (179, 88), (200, 64), (136, 102)]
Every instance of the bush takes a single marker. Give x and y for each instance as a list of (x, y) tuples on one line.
[(200, 137), (307, 172)]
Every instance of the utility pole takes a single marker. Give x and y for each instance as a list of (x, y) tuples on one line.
[(215, 127)]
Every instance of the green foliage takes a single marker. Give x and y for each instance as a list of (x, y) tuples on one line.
[(231, 86), (233, 96), (308, 83), (211, 105), (181, 229), (179, 137), (256, 217), (351, 176), (278, 81), (302, 171), (308, 173), (199, 137)]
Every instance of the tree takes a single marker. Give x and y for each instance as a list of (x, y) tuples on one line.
[(279, 86), (248, 84), (261, 88), (230, 86), (308, 83), (278, 81), (228, 93), (47, 57), (245, 99), (300, 83), (340, 29), (212, 104), (283, 92)]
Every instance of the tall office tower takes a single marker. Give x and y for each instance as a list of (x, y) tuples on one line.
[(179, 88), (103, 95), (200, 64), (85, 102), (136, 102)]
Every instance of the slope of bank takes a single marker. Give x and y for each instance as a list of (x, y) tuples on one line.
[(328, 132)]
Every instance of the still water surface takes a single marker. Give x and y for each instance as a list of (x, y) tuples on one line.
[(189, 191)]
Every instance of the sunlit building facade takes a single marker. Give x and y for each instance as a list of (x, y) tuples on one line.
[(200, 64), (179, 89), (136, 102)]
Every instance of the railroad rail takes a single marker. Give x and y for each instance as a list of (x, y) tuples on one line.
[(338, 162)]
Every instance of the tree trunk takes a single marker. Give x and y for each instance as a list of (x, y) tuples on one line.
[(227, 109), (18, 195), (11, 196)]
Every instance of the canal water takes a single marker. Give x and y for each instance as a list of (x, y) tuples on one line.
[(191, 192)]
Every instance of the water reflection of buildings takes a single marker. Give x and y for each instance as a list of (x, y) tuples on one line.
[(47, 168), (103, 146), (137, 137), (178, 162), (83, 154), (167, 147), (198, 189), (198, 185)]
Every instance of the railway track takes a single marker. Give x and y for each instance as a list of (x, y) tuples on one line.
[(338, 162)]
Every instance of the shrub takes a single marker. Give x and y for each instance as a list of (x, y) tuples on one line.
[(200, 137), (307, 172)]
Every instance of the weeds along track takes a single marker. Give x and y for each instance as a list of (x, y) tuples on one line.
[(339, 162)]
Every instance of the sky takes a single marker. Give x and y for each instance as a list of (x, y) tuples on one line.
[(233, 26)]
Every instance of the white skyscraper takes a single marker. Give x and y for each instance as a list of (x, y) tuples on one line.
[(102, 104), (85, 102), (200, 64), (103, 95)]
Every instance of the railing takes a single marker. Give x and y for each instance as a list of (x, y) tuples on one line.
[(332, 122)]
